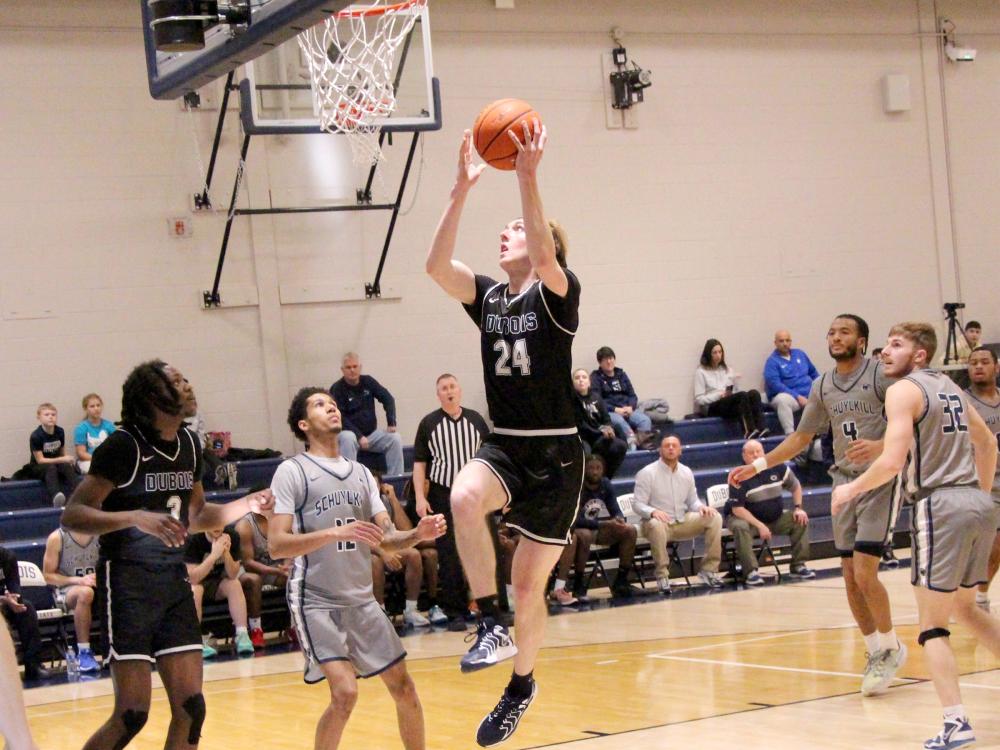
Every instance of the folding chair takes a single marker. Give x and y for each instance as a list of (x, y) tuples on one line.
[(51, 618), (718, 495), (643, 556)]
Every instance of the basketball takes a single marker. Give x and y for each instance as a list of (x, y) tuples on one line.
[(490, 131)]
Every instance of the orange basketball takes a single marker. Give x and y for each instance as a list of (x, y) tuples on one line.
[(489, 134)]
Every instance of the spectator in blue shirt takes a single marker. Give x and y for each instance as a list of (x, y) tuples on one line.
[(356, 395), (788, 375), (616, 389), (91, 432)]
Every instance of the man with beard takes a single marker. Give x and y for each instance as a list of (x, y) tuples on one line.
[(984, 397), (948, 456), (849, 398)]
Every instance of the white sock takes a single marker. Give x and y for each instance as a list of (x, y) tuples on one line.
[(956, 712), (888, 641), (80, 646), (411, 605), (560, 584), (255, 623), (241, 630), (205, 637), (871, 641), (982, 596), (510, 594)]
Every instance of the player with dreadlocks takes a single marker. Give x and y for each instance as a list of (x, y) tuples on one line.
[(143, 495)]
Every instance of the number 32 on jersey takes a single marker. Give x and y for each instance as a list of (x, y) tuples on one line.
[(515, 356)]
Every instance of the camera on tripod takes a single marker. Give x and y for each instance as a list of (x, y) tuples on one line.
[(951, 307)]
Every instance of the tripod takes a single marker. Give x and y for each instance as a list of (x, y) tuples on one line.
[(954, 331)]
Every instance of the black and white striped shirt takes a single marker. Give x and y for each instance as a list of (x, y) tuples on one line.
[(446, 444)]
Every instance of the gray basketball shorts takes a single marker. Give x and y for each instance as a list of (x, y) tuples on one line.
[(362, 635), (953, 530), (866, 524)]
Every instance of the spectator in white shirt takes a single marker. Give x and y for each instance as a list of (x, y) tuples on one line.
[(667, 501)]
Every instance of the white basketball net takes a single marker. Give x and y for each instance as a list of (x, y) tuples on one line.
[(350, 57)]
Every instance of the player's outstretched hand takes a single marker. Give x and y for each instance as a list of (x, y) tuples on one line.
[(468, 170), (741, 474), (262, 502), (359, 531), (164, 527), (431, 527), (530, 151)]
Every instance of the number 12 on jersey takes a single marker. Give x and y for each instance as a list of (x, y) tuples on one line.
[(516, 356), (345, 546)]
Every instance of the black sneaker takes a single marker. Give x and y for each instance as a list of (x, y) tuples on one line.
[(492, 644), (499, 724)]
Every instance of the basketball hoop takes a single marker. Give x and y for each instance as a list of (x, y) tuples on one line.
[(350, 57)]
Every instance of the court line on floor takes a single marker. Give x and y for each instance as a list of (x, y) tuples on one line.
[(769, 667)]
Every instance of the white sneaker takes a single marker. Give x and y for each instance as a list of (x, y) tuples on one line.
[(710, 579), (754, 579), (881, 670), (663, 584), (414, 618), (437, 616), (59, 500)]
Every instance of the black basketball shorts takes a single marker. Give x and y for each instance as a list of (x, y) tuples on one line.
[(542, 477), (147, 610)]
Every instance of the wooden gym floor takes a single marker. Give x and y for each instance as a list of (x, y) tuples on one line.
[(775, 667)]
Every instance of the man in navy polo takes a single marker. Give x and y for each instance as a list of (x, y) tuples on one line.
[(788, 375)]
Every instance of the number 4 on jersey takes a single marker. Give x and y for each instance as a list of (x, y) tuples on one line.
[(850, 430), (518, 357)]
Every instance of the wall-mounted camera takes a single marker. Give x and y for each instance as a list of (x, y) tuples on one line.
[(628, 82), (952, 49)]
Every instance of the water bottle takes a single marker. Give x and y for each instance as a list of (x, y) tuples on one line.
[(72, 665)]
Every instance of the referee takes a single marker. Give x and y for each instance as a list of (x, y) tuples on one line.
[(447, 439)]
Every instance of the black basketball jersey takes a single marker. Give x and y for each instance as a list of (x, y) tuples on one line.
[(149, 474), (527, 352)]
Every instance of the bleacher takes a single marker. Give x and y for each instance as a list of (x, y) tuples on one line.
[(711, 447)]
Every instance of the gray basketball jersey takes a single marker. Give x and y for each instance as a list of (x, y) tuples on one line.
[(323, 493), (991, 415), (852, 405), (260, 553), (941, 455), (76, 559)]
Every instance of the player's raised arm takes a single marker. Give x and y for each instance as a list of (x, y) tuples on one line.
[(430, 527), (283, 542), (538, 237), (984, 444), (204, 516), (451, 275), (786, 450)]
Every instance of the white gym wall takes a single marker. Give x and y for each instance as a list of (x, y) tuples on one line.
[(765, 187)]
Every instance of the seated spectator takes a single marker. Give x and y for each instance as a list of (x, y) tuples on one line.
[(877, 354), (594, 424), (418, 564), (212, 560), (91, 432), (69, 566), (667, 501), (259, 569), (49, 461), (356, 395), (21, 616), (756, 507), (715, 393), (614, 386), (597, 499), (788, 376)]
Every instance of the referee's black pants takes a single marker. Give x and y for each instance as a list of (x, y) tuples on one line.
[(452, 595)]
